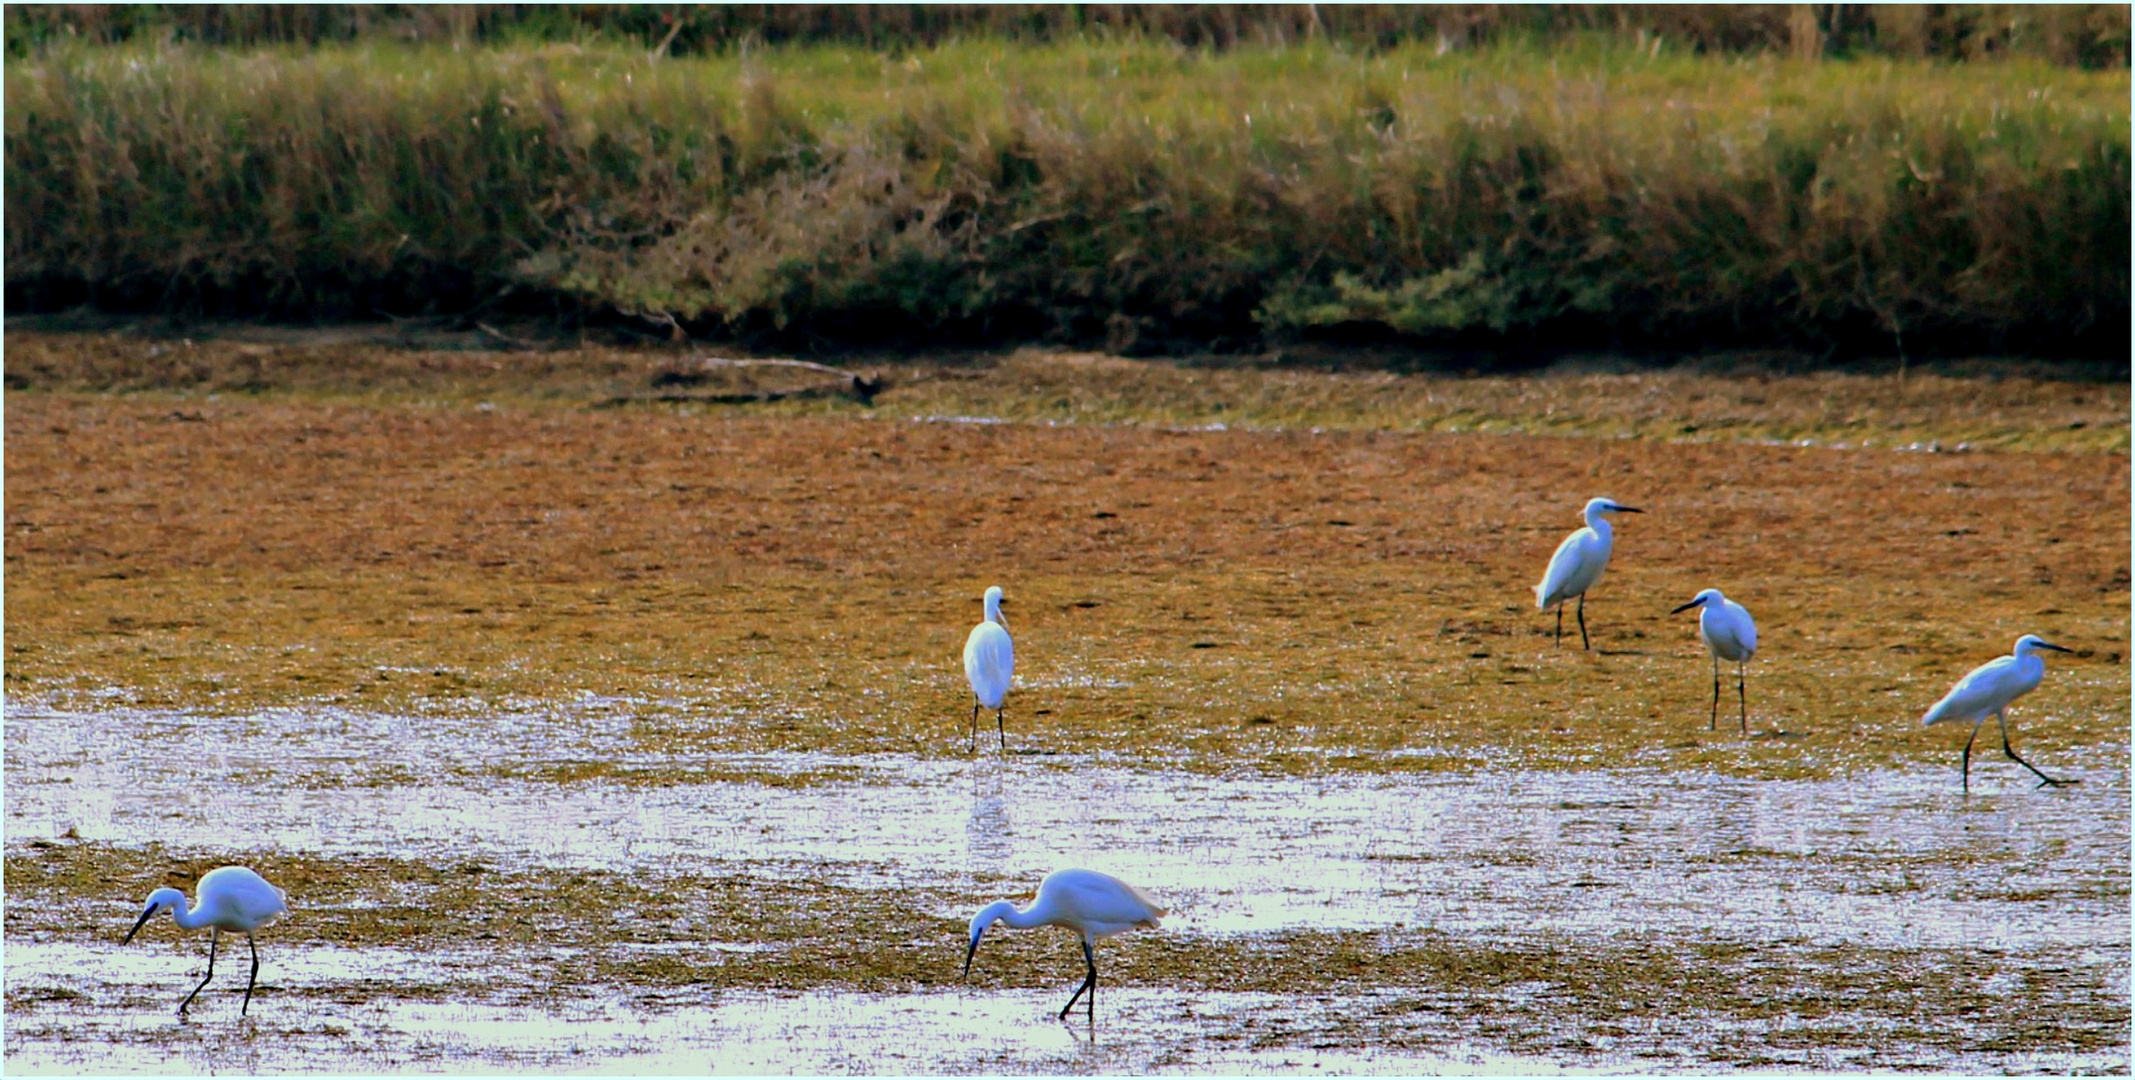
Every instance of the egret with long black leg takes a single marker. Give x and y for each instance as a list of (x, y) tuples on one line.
[(231, 898), (1987, 691), (1578, 564), (1092, 904), (990, 664), (1729, 634)]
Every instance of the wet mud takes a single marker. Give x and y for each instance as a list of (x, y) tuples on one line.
[(1594, 919), (595, 739)]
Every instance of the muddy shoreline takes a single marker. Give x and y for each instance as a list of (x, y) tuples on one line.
[(592, 738)]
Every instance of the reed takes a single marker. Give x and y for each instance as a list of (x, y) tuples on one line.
[(2087, 35), (1134, 192)]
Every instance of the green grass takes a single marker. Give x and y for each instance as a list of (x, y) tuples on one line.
[(1135, 193), (2085, 35)]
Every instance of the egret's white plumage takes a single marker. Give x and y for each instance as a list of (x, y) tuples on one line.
[(1987, 691), (1729, 634), (990, 665), (231, 898), (1092, 904), (1578, 563)]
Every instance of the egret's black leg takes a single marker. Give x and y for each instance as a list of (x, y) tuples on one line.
[(1088, 983), (254, 977), (1741, 690), (1090, 957), (1716, 692), (1583, 642), (1002, 726), (1560, 622), (214, 936), (1965, 768), (2044, 780), (974, 726)]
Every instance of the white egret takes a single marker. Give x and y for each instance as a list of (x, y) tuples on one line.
[(1729, 634), (1987, 691), (231, 898), (1578, 563), (990, 664), (1091, 904)]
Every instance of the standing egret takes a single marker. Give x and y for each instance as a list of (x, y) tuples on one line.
[(1578, 563), (1730, 635), (1091, 904), (1987, 691), (990, 663), (231, 898)]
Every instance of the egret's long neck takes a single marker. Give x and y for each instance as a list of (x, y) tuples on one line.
[(1034, 915), (1599, 522), (993, 609), (186, 916)]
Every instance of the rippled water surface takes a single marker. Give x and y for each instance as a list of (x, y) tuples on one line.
[(1894, 860)]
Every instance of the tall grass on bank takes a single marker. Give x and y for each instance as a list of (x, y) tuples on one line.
[(1132, 192), (2084, 35)]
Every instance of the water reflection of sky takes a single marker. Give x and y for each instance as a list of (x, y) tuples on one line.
[(1895, 859)]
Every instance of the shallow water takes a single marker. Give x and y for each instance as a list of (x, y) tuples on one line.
[(749, 1033), (121, 1029), (1493, 853), (1895, 860)]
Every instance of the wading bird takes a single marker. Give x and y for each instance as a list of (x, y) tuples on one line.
[(1987, 691), (231, 898), (1730, 635), (1094, 905), (989, 663), (1578, 563)]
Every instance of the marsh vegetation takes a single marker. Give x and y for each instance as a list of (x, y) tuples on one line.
[(594, 721), (1133, 193)]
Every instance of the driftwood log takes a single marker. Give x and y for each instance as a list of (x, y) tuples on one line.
[(671, 385)]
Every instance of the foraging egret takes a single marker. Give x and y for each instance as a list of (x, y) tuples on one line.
[(1987, 691), (1091, 904), (231, 898), (1578, 563), (989, 663), (1730, 635)]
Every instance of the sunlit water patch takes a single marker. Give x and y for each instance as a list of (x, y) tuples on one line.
[(1894, 860), (1898, 859), (727, 1033), (86, 1013)]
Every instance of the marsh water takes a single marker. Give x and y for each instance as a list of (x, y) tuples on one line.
[(1884, 864)]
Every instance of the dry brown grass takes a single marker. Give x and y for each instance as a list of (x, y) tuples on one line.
[(1273, 599)]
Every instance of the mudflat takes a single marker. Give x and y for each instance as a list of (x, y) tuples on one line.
[(250, 585)]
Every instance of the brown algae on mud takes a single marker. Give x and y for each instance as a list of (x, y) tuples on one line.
[(460, 671), (1278, 599), (1729, 398)]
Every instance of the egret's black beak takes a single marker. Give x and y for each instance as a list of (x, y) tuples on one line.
[(1622, 509), (2056, 648), (1684, 608), (138, 924), (968, 954)]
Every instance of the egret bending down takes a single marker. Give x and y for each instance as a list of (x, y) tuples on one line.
[(1578, 563), (231, 898), (1987, 691), (990, 663), (1091, 904), (1730, 635)]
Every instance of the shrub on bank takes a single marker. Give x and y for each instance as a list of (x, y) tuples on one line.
[(1133, 193)]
